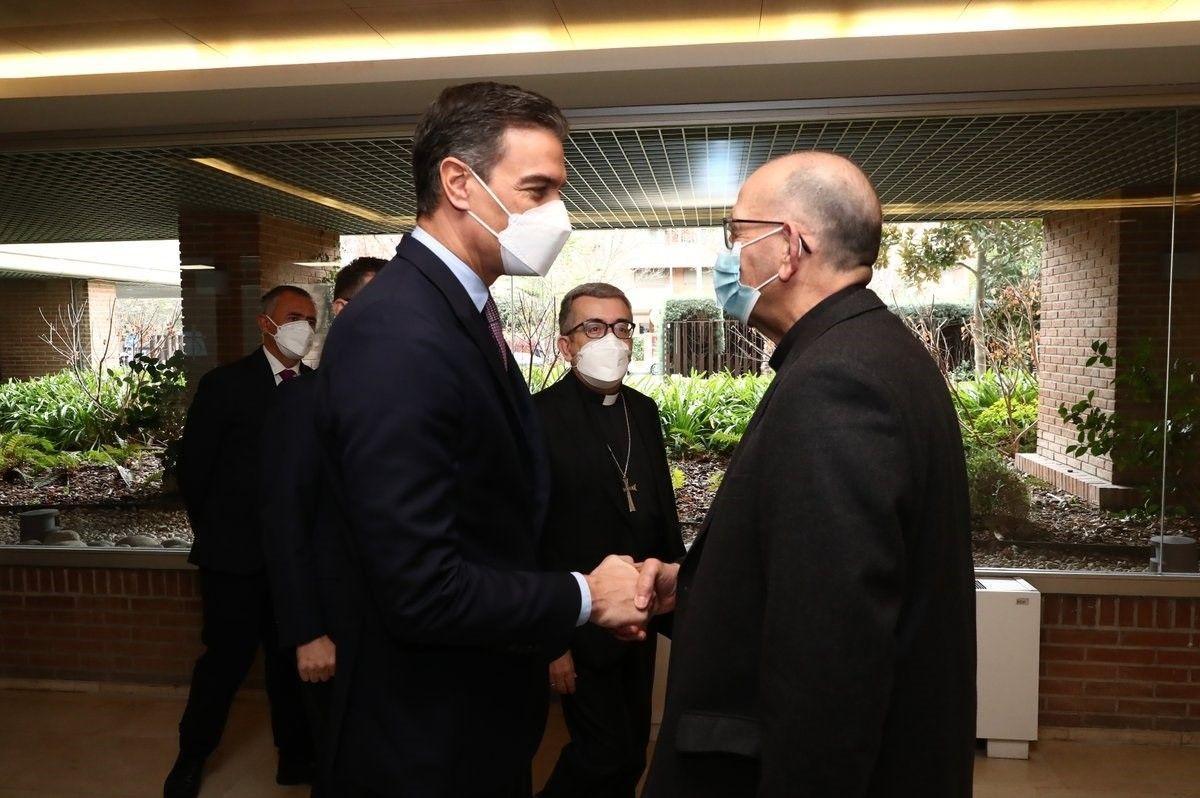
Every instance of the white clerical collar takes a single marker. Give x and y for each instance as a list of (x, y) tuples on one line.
[(610, 399)]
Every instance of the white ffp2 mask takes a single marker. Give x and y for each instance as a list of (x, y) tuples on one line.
[(533, 238), (294, 339), (603, 362)]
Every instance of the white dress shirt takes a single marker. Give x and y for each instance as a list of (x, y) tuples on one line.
[(277, 367)]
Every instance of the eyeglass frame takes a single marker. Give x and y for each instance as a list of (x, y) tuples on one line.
[(607, 328), (727, 228)]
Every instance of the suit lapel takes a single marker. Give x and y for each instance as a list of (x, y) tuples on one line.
[(476, 327)]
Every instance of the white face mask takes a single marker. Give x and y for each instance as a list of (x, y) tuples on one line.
[(603, 362), (533, 238), (294, 339)]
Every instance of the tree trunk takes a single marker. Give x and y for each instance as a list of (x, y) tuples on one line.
[(977, 333)]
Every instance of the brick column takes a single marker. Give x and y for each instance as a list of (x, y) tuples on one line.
[(1105, 276), (249, 253), (23, 303)]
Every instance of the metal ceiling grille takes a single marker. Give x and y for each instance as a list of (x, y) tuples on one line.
[(924, 168)]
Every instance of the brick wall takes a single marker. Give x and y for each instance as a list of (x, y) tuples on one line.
[(249, 253), (1079, 305), (99, 624), (1107, 662), (1120, 662), (23, 353)]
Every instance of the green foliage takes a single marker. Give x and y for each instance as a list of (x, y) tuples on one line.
[(32, 456), (996, 489), (678, 478), (714, 481), (705, 415), (973, 396), (59, 409), (1138, 443), (1008, 428), (999, 251), (639, 349), (82, 410), (690, 310)]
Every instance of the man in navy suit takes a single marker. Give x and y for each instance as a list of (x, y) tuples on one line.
[(438, 480), (219, 477)]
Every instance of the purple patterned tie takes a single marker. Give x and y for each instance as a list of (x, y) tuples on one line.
[(491, 315), (286, 375)]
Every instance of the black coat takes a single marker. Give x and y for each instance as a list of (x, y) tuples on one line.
[(588, 517), (438, 485), (824, 640), (301, 558), (219, 463)]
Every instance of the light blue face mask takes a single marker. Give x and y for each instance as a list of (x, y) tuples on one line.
[(737, 298)]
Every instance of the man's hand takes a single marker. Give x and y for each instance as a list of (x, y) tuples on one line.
[(657, 583), (612, 585), (316, 660), (562, 675), (656, 588)]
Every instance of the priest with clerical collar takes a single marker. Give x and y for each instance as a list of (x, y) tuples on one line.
[(611, 493)]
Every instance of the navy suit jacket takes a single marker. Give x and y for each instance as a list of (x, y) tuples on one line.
[(438, 487)]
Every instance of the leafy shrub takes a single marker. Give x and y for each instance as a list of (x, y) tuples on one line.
[(31, 456), (81, 410), (973, 396), (996, 489), (1008, 429), (705, 414), (58, 409), (678, 478), (939, 313)]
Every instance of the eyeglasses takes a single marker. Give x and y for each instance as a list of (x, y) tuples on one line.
[(595, 328), (733, 231)]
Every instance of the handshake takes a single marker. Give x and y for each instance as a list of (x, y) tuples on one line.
[(626, 595)]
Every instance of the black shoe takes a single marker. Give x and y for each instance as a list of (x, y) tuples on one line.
[(294, 770), (184, 779)]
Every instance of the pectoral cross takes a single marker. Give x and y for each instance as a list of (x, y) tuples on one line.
[(630, 489)]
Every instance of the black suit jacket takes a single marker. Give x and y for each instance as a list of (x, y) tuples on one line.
[(588, 518), (301, 557), (824, 639), (219, 463), (438, 486)]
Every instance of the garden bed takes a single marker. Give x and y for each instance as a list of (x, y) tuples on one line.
[(1087, 538)]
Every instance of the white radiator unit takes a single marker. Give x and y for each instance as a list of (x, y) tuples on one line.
[(1008, 614)]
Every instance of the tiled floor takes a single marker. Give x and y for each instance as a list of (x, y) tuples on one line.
[(72, 745)]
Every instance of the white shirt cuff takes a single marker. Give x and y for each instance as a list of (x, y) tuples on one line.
[(585, 599)]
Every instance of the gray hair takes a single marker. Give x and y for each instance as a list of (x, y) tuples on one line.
[(271, 298), (594, 290)]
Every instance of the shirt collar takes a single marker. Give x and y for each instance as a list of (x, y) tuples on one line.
[(471, 281), (276, 366), (811, 324)]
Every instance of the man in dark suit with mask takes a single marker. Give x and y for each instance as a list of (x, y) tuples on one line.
[(300, 556), (437, 472), (824, 641), (219, 477), (610, 492)]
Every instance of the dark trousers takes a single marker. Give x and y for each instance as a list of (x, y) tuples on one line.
[(608, 718), (521, 788), (318, 702), (237, 621)]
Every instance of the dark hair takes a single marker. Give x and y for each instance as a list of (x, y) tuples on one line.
[(595, 290), (353, 276), (847, 211), (271, 298), (469, 122)]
